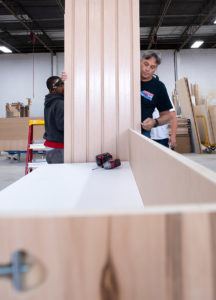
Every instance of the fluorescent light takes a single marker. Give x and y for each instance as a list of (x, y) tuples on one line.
[(5, 49), (197, 44)]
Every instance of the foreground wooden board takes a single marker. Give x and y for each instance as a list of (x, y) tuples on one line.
[(91, 237), (152, 255)]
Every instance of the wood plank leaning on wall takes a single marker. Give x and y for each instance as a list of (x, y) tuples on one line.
[(166, 177), (102, 60), (119, 257), (184, 95)]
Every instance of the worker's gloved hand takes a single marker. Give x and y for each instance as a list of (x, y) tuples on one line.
[(148, 124)]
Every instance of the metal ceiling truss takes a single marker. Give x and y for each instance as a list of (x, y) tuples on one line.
[(192, 29), (155, 29), (23, 22)]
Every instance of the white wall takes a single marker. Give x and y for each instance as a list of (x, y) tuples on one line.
[(16, 79), (16, 76), (199, 66)]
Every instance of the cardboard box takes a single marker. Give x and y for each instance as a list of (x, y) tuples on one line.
[(18, 109)]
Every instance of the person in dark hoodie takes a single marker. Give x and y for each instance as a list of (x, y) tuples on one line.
[(54, 120)]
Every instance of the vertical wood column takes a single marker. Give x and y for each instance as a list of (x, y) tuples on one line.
[(102, 99)]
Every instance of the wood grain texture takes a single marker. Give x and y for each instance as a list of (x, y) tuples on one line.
[(69, 22), (102, 92), (205, 134), (14, 133), (166, 177), (188, 110), (212, 113), (116, 257)]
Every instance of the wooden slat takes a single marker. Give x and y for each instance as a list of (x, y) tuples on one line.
[(125, 82), (212, 113), (80, 81), (187, 109), (135, 66), (110, 77), (69, 84), (95, 79)]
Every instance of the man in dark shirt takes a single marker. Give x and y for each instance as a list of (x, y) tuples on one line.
[(54, 120), (153, 94)]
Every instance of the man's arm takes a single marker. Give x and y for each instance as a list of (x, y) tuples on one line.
[(174, 124), (164, 118)]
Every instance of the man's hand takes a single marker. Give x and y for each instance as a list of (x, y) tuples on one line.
[(172, 141), (148, 124), (64, 76)]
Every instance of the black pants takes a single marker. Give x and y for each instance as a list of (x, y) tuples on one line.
[(55, 156), (164, 142)]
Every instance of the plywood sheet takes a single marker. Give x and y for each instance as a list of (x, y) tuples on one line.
[(204, 124), (102, 91), (166, 177), (188, 110), (14, 133), (212, 113), (120, 257)]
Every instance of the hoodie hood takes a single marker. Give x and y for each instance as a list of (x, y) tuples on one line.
[(51, 97)]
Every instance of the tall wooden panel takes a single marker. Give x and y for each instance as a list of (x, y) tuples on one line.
[(102, 91)]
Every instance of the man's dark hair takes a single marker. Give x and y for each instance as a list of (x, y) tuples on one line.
[(151, 53), (50, 82)]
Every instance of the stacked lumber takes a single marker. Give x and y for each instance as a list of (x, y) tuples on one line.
[(206, 123), (183, 135), (187, 109), (14, 133), (202, 115)]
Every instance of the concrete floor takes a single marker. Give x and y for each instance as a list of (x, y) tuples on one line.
[(11, 170)]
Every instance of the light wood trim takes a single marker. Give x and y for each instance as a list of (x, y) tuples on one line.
[(102, 97), (166, 177)]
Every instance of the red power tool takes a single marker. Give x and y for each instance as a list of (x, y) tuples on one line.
[(102, 158), (105, 161), (111, 164)]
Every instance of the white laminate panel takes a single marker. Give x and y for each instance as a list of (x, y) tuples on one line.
[(72, 187)]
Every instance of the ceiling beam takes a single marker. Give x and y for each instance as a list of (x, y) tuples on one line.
[(26, 26), (154, 32), (9, 46), (61, 7), (194, 29)]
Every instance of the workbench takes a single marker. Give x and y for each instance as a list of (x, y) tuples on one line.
[(72, 187)]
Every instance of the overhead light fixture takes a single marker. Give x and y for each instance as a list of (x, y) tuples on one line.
[(5, 49), (197, 44)]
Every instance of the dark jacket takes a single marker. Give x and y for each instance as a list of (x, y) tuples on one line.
[(54, 118)]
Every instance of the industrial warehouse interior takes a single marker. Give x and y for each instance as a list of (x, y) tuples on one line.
[(129, 211)]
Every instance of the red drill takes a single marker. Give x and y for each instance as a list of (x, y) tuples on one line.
[(111, 164)]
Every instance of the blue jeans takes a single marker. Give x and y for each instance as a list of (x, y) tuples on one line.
[(146, 133), (164, 142)]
